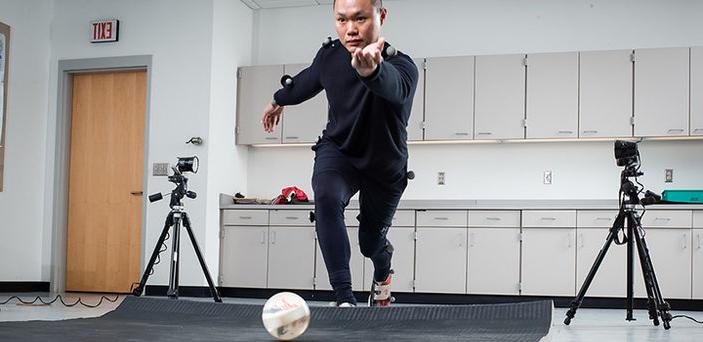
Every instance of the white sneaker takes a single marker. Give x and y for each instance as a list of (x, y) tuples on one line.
[(346, 305)]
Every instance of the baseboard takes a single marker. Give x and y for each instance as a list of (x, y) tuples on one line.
[(24, 286), (428, 298)]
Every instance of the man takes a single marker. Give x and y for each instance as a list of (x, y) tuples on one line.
[(364, 146)]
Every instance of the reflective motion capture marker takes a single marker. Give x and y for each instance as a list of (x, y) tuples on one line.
[(287, 81), (391, 51), (327, 43)]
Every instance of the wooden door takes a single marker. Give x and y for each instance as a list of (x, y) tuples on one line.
[(105, 181)]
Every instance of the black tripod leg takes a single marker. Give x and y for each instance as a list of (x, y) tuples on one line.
[(651, 303), (576, 303), (139, 289), (211, 284), (661, 305)]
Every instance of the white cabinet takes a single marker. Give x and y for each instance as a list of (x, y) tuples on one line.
[(500, 97), (356, 264), (593, 228), (440, 260), (552, 95), (549, 253), (697, 91), (291, 257), (670, 250), (605, 94), (402, 237), (244, 256), (494, 253), (449, 98), (661, 92), (697, 267), (254, 91), (417, 115), (304, 122)]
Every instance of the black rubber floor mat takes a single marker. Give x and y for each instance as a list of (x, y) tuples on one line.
[(155, 319)]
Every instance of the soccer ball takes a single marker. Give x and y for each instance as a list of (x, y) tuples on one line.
[(286, 316)]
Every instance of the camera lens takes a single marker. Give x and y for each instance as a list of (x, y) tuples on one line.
[(188, 164)]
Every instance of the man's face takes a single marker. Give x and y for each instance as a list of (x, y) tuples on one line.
[(358, 22)]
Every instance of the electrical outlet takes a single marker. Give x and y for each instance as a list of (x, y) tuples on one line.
[(160, 169), (669, 175), (440, 178), (547, 178)]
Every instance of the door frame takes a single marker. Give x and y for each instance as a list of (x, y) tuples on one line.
[(57, 201)]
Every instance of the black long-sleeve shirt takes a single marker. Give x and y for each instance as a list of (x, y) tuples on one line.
[(368, 116)]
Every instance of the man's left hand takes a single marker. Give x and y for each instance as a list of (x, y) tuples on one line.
[(366, 60)]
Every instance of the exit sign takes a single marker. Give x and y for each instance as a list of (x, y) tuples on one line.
[(102, 31)]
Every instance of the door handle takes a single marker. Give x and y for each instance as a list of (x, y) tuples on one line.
[(137, 193)]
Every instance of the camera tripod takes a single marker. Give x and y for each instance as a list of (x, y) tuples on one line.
[(629, 219), (175, 219)]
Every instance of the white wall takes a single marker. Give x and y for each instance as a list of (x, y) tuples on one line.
[(582, 170), (21, 202)]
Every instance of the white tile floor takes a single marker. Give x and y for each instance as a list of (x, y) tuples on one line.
[(601, 325)]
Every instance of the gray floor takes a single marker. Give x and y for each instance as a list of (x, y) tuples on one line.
[(589, 324)]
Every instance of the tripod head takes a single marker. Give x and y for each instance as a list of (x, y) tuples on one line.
[(189, 164)]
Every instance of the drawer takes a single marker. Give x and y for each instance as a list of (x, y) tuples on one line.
[(595, 218), (698, 219), (245, 217), (494, 218), (402, 218), (548, 218), (667, 218), (442, 218), (291, 217)]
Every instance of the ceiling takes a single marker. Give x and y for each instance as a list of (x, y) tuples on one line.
[(263, 4)]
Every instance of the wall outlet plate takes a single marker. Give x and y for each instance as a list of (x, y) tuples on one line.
[(440, 178), (668, 175), (547, 178), (160, 169)]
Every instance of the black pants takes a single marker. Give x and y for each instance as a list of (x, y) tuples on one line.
[(335, 180)]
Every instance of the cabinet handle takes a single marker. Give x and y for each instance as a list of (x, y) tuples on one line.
[(461, 133), (566, 132), (442, 218), (459, 238), (549, 219), (590, 132), (263, 238), (291, 218), (472, 237), (698, 130), (675, 130), (245, 217), (292, 138), (271, 138), (273, 237), (570, 241), (667, 219), (698, 236), (580, 240), (603, 218), (484, 133), (685, 241), (493, 218)]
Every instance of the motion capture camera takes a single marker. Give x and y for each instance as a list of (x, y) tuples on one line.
[(188, 164), (183, 165), (626, 153)]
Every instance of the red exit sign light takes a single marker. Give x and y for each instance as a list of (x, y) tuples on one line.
[(102, 31)]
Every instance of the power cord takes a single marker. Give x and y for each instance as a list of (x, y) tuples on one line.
[(686, 316), (60, 298)]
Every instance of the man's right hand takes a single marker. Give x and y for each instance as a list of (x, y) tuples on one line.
[(271, 117)]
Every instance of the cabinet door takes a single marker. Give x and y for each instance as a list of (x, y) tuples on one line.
[(417, 115), (697, 91), (670, 250), (304, 122), (549, 261), (605, 94), (440, 260), (244, 256), (610, 279), (356, 265), (403, 261), (500, 97), (661, 92), (552, 95), (291, 258), (449, 98), (494, 261), (697, 264), (254, 90)]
